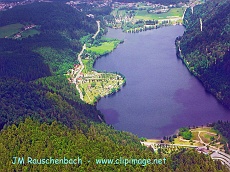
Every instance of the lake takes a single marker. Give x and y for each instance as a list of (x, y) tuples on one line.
[(160, 95)]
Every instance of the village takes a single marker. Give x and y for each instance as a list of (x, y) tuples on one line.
[(94, 85), (141, 16), (96, 4), (19, 34), (8, 5)]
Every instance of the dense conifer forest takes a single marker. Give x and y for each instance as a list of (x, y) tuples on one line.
[(41, 114)]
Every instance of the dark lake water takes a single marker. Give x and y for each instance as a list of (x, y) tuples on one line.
[(160, 95)]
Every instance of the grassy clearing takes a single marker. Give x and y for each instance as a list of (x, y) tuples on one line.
[(207, 129), (195, 135), (178, 141), (121, 13), (182, 142), (172, 13), (104, 48), (10, 30), (30, 32), (153, 140), (206, 136), (176, 12), (88, 65)]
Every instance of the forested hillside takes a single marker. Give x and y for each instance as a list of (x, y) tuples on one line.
[(33, 83), (224, 128), (204, 47), (38, 141), (41, 114), (55, 47)]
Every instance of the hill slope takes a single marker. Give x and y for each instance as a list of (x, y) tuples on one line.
[(41, 115), (205, 46)]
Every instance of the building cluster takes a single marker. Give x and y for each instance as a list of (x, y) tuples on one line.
[(94, 3), (203, 150), (8, 5), (137, 5), (19, 34)]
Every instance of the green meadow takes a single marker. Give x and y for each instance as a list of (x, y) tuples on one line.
[(88, 65), (119, 12), (30, 32), (10, 30), (172, 13), (104, 48)]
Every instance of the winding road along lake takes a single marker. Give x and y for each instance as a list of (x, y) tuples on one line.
[(160, 95)]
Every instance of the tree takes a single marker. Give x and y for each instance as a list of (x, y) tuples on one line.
[(93, 84), (185, 133)]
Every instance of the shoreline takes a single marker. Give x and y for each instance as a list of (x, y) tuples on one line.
[(105, 72), (83, 73), (208, 89), (176, 131)]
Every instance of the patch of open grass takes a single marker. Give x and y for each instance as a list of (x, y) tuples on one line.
[(88, 65), (172, 13), (104, 48), (206, 137), (178, 141), (208, 129), (155, 140), (181, 142), (30, 32), (195, 135), (176, 12), (10, 30)]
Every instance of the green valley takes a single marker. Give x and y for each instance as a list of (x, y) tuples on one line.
[(49, 89)]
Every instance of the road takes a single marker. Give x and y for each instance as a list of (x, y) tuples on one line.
[(81, 63), (79, 72), (223, 157), (79, 59), (98, 30)]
